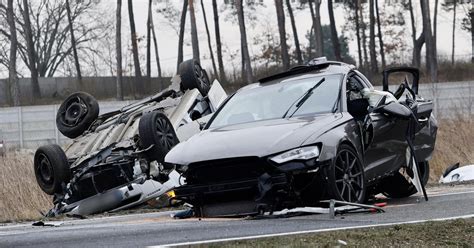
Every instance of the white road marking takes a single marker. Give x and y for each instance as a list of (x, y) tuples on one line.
[(311, 231)]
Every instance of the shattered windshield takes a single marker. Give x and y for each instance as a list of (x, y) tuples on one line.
[(274, 100)]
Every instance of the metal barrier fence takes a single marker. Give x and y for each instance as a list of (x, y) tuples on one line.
[(32, 126)]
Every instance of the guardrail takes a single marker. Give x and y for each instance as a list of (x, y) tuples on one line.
[(32, 126)]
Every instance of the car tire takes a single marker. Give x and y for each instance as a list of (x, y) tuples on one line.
[(156, 129), (397, 186), (345, 179), (51, 169), (194, 77), (76, 114)]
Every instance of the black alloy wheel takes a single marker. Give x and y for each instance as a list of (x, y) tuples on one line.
[(345, 177), (155, 129)]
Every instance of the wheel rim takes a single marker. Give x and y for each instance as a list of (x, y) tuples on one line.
[(201, 77), (165, 133), (74, 112), (45, 170), (348, 176)]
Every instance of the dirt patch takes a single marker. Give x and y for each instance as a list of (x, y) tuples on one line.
[(457, 233)]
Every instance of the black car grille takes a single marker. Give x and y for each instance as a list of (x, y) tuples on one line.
[(225, 170)]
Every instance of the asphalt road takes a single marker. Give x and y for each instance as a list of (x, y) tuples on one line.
[(139, 230)]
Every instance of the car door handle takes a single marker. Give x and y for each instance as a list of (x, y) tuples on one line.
[(423, 119)]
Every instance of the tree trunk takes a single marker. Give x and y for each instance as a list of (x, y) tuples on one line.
[(247, 74), (194, 34), (118, 49), (136, 59), (373, 55), (435, 25), (31, 51), (281, 29), (214, 67), (471, 15), (318, 44), (382, 49), (454, 32), (155, 45), (222, 76), (319, 29), (182, 26), (417, 43), (364, 37), (431, 58), (359, 48), (73, 41), (148, 41), (299, 56), (12, 75), (334, 37)]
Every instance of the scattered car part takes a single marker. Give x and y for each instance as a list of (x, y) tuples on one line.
[(291, 139), (458, 174), (116, 159)]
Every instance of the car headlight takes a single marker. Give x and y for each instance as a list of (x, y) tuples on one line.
[(302, 153)]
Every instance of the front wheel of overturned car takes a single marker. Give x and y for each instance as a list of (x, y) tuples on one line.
[(397, 186), (194, 77), (345, 176), (51, 168), (156, 129), (76, 114)]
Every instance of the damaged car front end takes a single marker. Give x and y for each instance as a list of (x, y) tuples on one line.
[(316, 132)]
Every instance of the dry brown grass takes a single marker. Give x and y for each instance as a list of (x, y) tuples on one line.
[(20, 196), (454, 143)]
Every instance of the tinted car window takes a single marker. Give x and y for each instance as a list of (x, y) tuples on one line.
[(273, 100)]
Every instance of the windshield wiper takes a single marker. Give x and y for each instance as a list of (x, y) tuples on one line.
[(305, 97)]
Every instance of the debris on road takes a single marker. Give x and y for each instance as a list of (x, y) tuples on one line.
[(52, 224), (455, 173)]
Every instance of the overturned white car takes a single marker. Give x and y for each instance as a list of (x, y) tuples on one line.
[(115, 159)]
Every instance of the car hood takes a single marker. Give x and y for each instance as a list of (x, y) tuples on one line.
[(259, 139)]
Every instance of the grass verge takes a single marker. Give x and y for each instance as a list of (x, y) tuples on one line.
[(456, 233)]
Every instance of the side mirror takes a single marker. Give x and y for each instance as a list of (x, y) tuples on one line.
[(396, 109)]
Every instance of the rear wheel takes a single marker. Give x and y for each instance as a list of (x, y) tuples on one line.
[(345, 177), (194, 77), (76, 114), (397, 186), (156, 129), (51, 168)]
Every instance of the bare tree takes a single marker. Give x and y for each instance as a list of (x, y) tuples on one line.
[(357, 24), (182, 26), (373, 55), (454, 32), (431, 58), (133, 33), (334, 37), (118, 49), (222, 76), (417, 42), (364, 37), (299, 56), (281, 29), (209, 38), (471, 17), (155, 45), (148, 41), (247, 74), (435, 25), (316, 27), (31, 50), (12, 74), (194, 34), (73, 41), (382, 49)]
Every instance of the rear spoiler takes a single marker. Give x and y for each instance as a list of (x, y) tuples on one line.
[(412, 70)]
